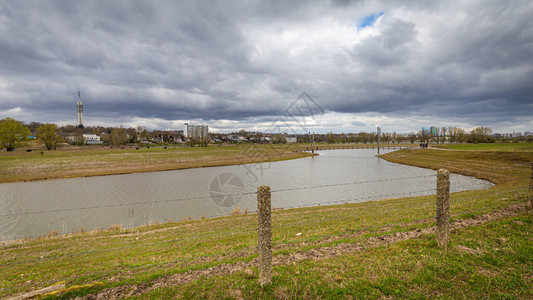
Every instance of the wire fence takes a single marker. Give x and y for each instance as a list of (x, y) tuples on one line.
[(319, 203), (70, 209), (377, 210), (52, 232), (253, 229), (350, 146)]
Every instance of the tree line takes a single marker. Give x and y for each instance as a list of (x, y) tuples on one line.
[(452, 135), (14, 133)]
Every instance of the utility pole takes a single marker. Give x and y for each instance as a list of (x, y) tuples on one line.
[(312, 140), (379, 133)]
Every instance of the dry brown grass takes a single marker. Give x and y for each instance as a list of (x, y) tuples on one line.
[(115, 227), (236, 211), (52, 233), (81, 162)]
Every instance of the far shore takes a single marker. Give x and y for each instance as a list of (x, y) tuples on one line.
[(87, 161), (71, 162)]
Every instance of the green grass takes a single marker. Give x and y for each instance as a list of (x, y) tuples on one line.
[(493, 260), (507, 147), (498, 266)]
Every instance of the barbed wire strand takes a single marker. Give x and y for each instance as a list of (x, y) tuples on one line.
[(222, 215), (156, 243), (204, 197), (114, 205), (369, 213), (382, 197), (350, 183)]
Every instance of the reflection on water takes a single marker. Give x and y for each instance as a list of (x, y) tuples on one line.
[(34, 208)]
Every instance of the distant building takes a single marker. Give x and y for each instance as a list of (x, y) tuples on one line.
[(92, 139), (292, 139), (429, 130), (196, 132), (176, 136)]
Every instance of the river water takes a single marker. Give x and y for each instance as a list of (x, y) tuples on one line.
[(31, 209)]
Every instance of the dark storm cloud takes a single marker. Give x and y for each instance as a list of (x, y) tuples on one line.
[(484, 58), (232, 61)]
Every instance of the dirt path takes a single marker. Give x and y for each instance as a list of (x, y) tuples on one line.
[(319, 253)]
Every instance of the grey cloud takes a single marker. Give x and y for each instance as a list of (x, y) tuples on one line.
[(392, 47), (202, 60)]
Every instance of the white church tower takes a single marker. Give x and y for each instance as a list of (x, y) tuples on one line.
[(80, 111)]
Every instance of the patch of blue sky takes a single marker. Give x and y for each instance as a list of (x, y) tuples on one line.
[(370, 20)]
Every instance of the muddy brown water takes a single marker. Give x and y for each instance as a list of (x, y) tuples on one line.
[(31, 209)]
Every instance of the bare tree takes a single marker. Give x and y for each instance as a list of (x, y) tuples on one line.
[(460, 135), (443, 130), (481, 134), (331, 138), (451, 133), (412, 137), (118, 136)]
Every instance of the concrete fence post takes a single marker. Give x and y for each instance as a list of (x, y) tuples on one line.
[(443, 208), (265, 234)]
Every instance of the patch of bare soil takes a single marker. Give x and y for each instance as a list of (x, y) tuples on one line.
[(320, 253), (486, 272), (468, 250), (504, 212)]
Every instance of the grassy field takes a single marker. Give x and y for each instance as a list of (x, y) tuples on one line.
[(506, 147), (94, 161), (379, 249), (91, 161)]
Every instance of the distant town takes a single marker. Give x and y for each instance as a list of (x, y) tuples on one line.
[(199, 135)]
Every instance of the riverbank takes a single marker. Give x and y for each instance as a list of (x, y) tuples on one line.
[(97, 160), (499, 147), (375, 249)]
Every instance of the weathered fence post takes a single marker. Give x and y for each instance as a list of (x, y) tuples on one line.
[(443, 207), (265, 234)]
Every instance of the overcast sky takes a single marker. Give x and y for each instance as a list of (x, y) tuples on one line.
[(244, 64)]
